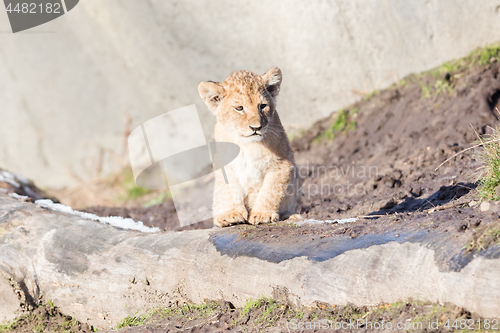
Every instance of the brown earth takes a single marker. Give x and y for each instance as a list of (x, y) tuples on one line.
[(387, 163)]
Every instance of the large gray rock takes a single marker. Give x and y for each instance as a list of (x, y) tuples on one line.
[(100, 274), (68, 85)]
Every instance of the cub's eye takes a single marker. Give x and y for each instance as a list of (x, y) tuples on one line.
[(239, 109), (263, 106)]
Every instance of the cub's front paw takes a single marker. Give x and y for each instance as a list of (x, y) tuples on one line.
[(231, 217), (262, 217)]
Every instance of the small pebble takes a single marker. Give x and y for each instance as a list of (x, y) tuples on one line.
[(472, 203), (485, 206)]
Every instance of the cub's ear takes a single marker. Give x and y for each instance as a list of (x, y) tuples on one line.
[(272, 79), (212, 93)]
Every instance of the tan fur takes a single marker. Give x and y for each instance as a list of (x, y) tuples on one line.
[(263, 182)]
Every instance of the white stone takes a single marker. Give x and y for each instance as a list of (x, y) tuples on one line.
[(485, 206)]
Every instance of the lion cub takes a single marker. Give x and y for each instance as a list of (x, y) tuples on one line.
[(262, 184)]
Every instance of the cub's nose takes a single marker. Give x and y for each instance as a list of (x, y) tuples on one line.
[(255, 128)]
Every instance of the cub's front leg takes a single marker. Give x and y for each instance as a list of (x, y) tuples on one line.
[(228, 207), (272, 192)]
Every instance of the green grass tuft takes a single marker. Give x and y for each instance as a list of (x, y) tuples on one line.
[(453, 70), (483, 239), (480, 56), (269, 315), (443, 86), (343, 122), (189, 311), (161, 198), (490, 181), (425, 90), (485, 54), (9, 326), (271, 305), (251, 304), (133, 191), (134, 320), (370, 95)]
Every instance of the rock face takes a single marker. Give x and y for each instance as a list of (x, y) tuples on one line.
[(100, 274), (69, 84)]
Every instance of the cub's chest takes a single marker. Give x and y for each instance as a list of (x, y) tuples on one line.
[(250, 167)]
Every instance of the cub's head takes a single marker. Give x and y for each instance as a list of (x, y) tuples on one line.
[(244, 103)]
